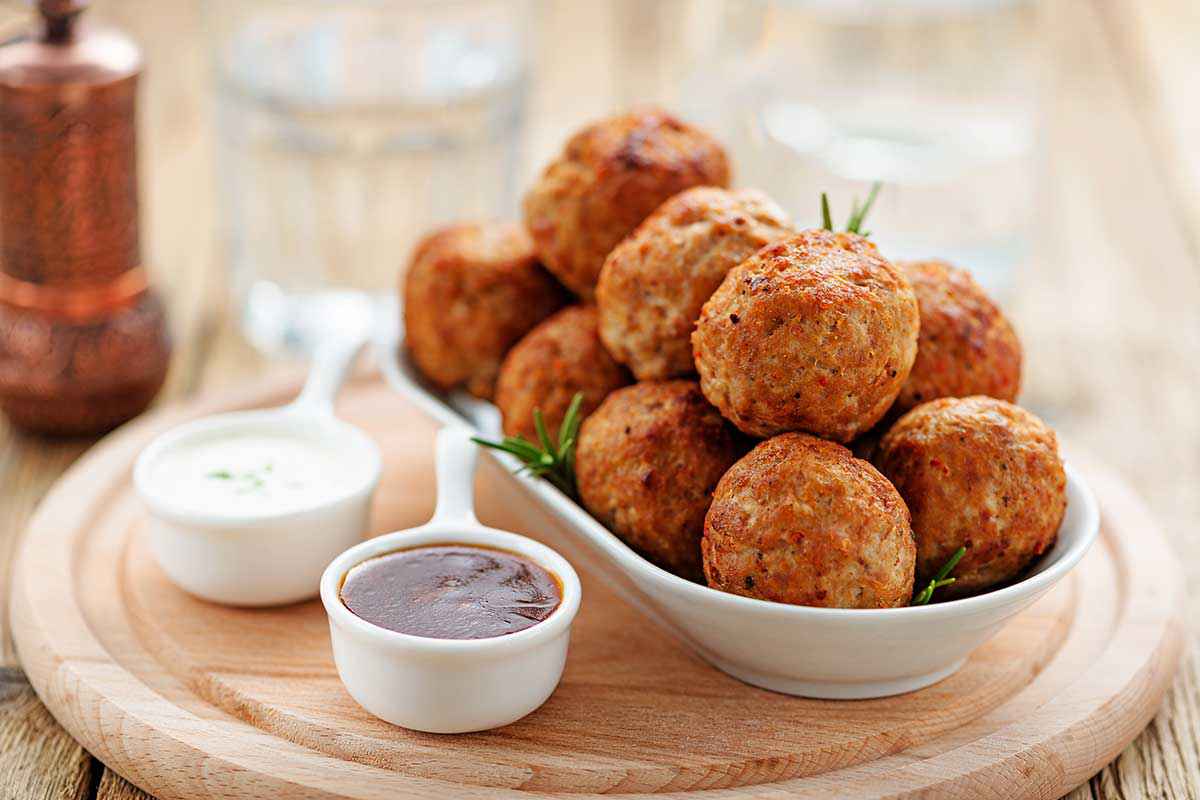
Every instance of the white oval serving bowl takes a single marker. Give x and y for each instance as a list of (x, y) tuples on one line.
[(450, 685), (812, 652), (264, 558)]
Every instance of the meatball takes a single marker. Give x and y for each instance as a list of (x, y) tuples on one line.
[(558, 358), (800, 520), (471, 292), (647, 463), (609, 178), (653, 284), (979, 473), (816, 333), (966, 345)]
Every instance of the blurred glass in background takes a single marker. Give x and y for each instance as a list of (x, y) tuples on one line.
[(346, 130), (935, 98)]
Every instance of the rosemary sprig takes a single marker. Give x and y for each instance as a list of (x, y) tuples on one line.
[(858, 214), (553, 461), (941, 579)]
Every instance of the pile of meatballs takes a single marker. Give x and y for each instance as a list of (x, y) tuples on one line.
[(783, 413)]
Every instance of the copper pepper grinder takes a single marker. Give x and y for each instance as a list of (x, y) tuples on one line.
[(83, 339)]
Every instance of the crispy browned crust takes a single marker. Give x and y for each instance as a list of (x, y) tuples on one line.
[(800, 520), (609, 177), (816, 333), (648, 461), (980, 473), (470, 292), (966, 346), (561, 356), (655, 281)]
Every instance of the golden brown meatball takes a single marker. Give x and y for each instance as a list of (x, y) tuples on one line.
[(816, 333), (979, 473), (609, 178), (647, 463), (655, 281), (800, 520), (558, 358), (471, 292), (966, 345)]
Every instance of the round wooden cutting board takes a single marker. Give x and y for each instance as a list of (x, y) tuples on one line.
[(192, 700)]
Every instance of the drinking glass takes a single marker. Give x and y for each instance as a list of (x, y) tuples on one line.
[(347, 128), (937, 99)]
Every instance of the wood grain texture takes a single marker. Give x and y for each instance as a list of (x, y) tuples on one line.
[(1114, 359), (188, 699), (1154, 45), (113, 787), (28, 467), (1107, 310), (1164, 762), (37, 755)]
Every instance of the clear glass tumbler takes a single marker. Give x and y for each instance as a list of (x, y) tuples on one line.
[(937, 99), (346, 129)]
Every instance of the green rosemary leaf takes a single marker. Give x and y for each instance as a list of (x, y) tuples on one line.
[(942, 578), (858, 214), (566, 450), (543, 459), (539, 424), (570, 422), (519, 446), (949, 566), (567, 443), (568, 462), (494, 445)]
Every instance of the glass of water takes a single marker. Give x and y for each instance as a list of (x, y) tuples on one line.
[(348, 128), (937, 99)]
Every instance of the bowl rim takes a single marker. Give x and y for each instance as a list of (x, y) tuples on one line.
[(453, 532), (391, 356), (1032, 585), (242, 521)]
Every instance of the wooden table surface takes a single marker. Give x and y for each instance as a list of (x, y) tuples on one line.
[(1108, 309)]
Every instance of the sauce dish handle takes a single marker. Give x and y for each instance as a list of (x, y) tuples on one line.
[(331, 364), (456, 458)]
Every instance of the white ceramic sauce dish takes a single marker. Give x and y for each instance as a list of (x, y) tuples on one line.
[(235, 552), (450, 685), (800, 650)]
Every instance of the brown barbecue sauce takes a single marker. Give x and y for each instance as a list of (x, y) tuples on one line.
[(451, 592)]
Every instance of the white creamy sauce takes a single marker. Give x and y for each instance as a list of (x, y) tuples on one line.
[(247, 472)]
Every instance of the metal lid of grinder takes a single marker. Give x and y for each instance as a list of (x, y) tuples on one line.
[(68, 164)]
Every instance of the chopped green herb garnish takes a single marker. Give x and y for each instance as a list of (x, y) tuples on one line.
[(941, 579), (247, 481), (553, 461), (250, 483)]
